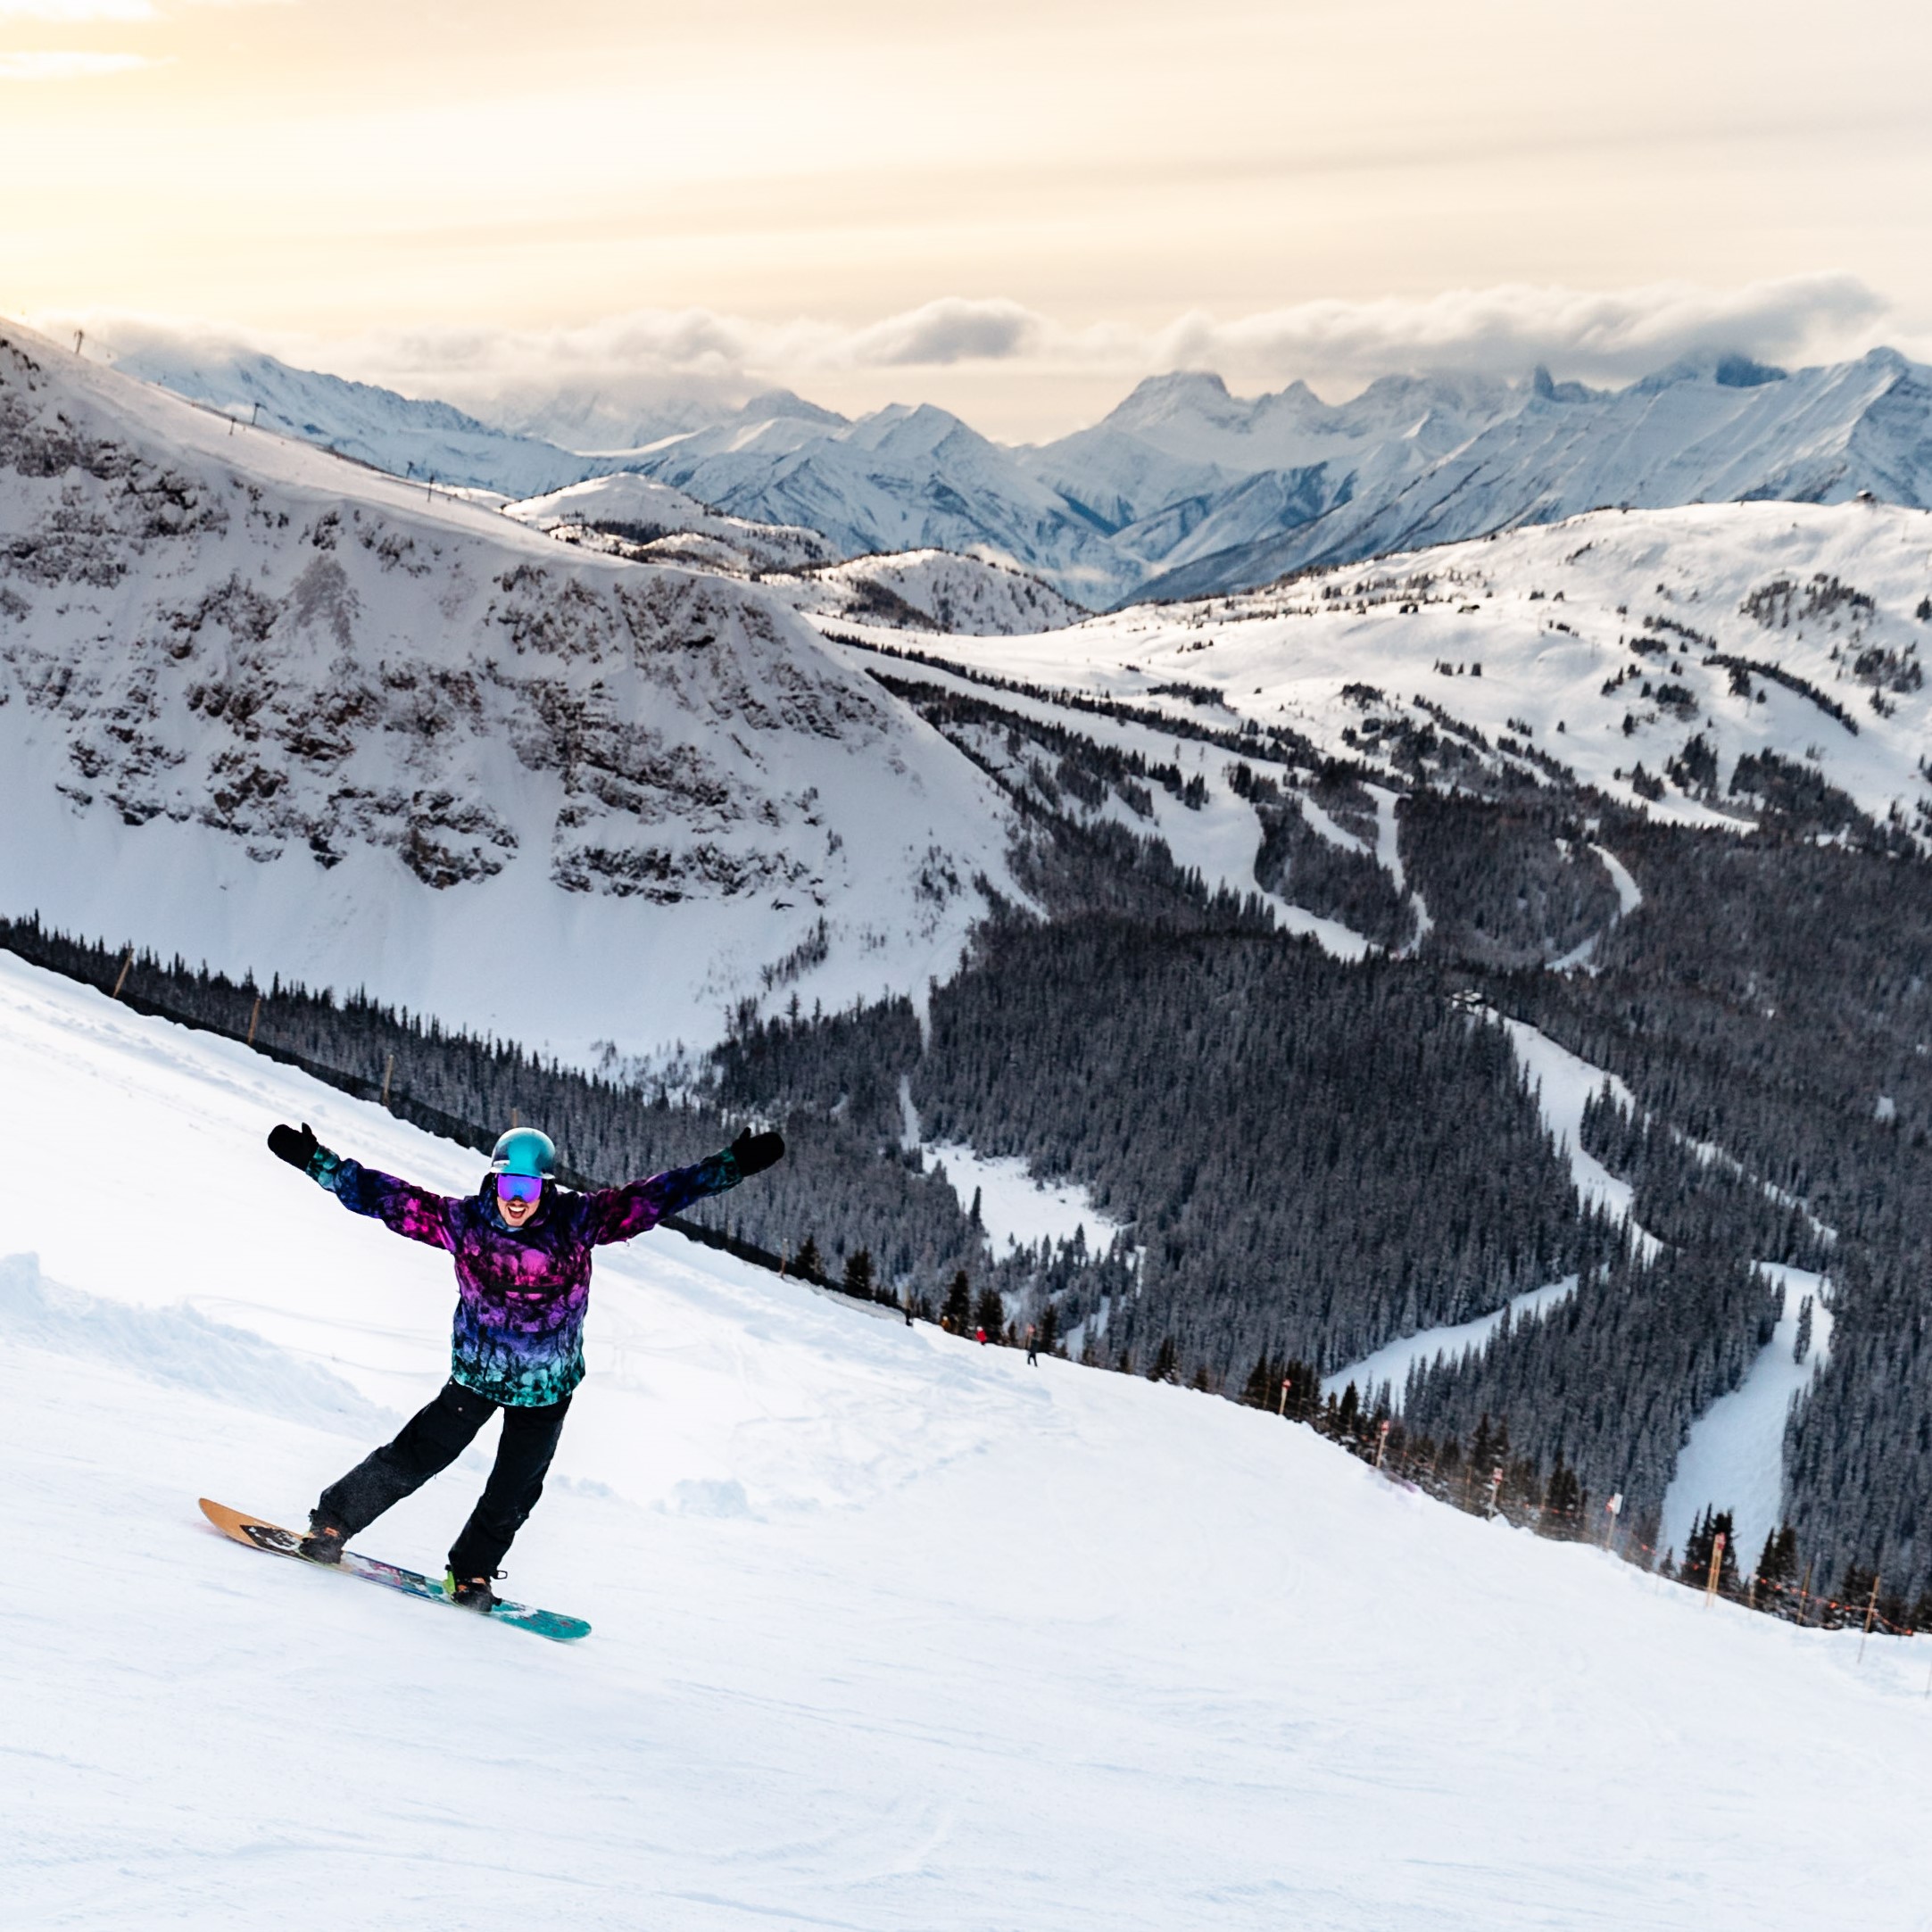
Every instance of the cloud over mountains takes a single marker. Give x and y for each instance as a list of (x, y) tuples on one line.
[(642, 358)]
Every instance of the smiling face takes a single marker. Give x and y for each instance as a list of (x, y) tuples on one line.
[(518, 1198)]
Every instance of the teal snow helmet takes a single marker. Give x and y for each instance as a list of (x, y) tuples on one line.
[(523, 1150)]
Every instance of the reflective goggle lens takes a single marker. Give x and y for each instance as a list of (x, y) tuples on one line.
[(519, 1187)]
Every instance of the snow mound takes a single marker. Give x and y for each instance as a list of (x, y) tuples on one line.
[(180, 1347)]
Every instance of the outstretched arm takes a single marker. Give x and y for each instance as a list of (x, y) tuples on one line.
[(399, 1205), (617, 1214)]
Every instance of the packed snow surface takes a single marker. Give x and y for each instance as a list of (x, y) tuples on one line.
[(889, 1630)]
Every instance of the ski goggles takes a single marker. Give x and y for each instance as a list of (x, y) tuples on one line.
[(528, 1188)]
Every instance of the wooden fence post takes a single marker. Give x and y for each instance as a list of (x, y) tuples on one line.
[(1717, 1568), (1871, 1612)]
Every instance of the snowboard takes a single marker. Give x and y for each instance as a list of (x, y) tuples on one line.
[(256, 1534)]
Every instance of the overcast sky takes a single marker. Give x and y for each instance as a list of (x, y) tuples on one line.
[(1013, 209)]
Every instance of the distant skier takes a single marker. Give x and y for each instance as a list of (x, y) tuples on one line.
[(522, 1246), (1033, 1347)]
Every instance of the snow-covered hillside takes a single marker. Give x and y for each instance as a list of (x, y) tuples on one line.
[(656, 522), (1605, 642), (272, 710), (932, 590), (375, 426), (888, 1631)]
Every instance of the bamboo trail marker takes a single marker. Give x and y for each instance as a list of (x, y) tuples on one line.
[(1804, 1591), (388, 1072), (1871, 1612), (254, 1014), (1282, 1411), (121, 978), (1612, 1509), (1381, 1444)]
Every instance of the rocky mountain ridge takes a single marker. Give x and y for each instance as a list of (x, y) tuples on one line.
[(258, 703)]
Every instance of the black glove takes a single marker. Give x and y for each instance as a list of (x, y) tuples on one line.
[(755, 1152), (298, 1150)]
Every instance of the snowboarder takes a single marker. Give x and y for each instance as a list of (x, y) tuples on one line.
[(522, 1247)]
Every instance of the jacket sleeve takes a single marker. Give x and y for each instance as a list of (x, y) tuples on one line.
[(617, 1214), (400, 1206)]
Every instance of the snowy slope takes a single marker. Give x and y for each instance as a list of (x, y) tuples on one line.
[(277, 711), (932, 590), (648, 512), (888, 1631), (375, 426), (1550, 615)]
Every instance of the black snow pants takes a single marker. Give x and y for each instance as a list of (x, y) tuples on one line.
[(429, 1442)]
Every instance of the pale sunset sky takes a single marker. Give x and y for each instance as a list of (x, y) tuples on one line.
[(1015, 210)]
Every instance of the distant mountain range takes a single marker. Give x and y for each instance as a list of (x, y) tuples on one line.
[(1184, 490)]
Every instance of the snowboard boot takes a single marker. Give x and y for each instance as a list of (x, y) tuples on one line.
[(471, 1593), (325, 1539)]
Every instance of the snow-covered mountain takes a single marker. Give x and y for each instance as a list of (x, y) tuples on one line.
[(272, 709), (1187, 490), (900, 479), (373, 426), (887, 1630), (1713, 429), (1182, 467), (931, 590), (1183, 490), (611, 424), (652, 521)]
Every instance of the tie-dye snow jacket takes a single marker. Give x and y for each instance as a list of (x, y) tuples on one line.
[(518, 1333)]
